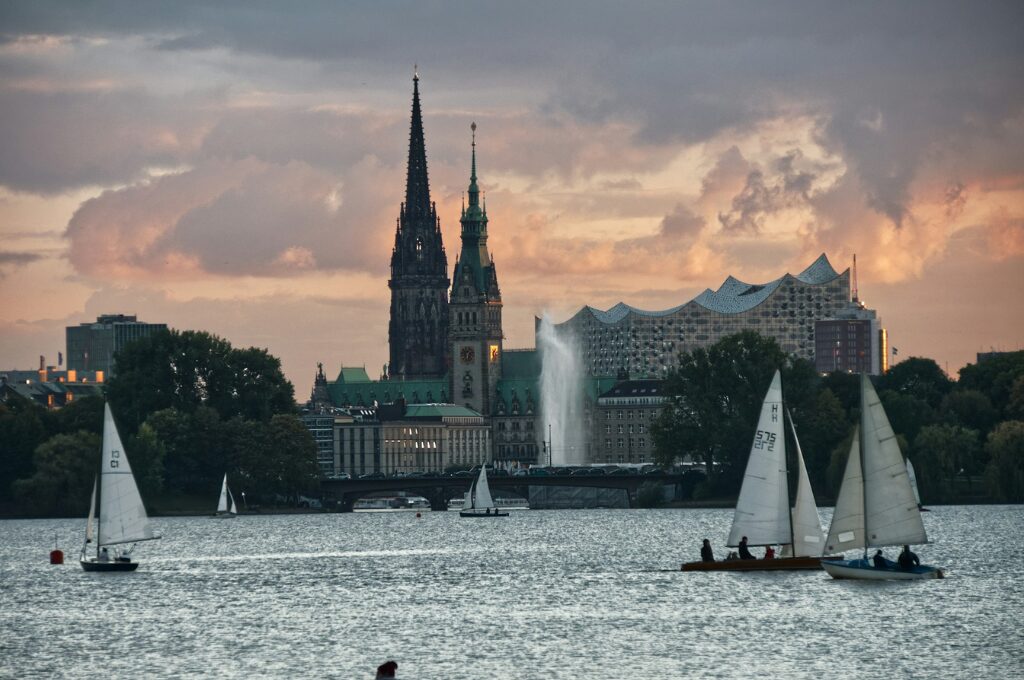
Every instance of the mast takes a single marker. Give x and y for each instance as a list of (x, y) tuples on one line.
[(792, 534), (863, 449)]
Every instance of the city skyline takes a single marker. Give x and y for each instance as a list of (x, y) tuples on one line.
[(224, 171)]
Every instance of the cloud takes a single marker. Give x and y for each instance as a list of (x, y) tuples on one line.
[(758, 199), (12, 260)]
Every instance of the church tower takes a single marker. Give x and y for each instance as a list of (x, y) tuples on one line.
[(418, 331), (475, 310)]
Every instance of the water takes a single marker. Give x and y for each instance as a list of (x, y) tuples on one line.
[(540, 594), (561, 393)]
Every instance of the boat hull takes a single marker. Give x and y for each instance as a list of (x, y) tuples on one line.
[(864, 570), (110, 565), (774, 564), (477, 513)]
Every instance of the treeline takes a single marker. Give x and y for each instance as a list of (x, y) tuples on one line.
[(965, 437), (189, 408)]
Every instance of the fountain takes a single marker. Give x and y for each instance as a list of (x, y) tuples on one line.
[(561, 394)]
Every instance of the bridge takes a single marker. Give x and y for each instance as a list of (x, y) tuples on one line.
[(439, 488)]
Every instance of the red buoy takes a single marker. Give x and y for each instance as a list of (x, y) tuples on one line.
[(56, 556)]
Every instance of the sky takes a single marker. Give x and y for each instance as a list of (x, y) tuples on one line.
[(238, 167)]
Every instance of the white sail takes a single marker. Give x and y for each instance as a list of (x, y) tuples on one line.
[(913, 481), (122, 516), (482, 492), (222, 504), (847, 530), (762, 510), (891, 513), (467, 500), (807, 537), (92, 514), (234, 508)]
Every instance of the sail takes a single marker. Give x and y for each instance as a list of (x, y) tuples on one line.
[(807, 537), (482, 496), (762, 510), (913, 481), (92, 514), (234, 508), (891, 513), (122, 516), (222, 504), (847, 530), (467, 499)]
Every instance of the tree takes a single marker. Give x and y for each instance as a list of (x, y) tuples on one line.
[(940, 453), (995, 377), (1005, 471), (65, 467), (23, 427), (917, 377), (275, 458), (846, 388), (714, 401), (1015, 407), (907, 413), (821, 429), (970, 409), (188, 370), (81, 414)]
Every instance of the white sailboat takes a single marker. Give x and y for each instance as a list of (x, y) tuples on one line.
[(478, 501), (226, 498), (876, 505), (122, 516), (763, 515)]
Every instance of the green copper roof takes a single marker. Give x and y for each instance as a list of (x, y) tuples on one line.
[(352, 374), (438, 411), (366, 392)]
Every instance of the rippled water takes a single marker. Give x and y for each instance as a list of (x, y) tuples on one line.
[(540, 594)]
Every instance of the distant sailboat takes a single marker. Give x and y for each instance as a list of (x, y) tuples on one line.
[(477, 501), (913, 485), (762, 512), (122, 516), (225, 497), (876, 505)]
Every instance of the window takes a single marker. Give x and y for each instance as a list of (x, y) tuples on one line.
[(620, 429), (620, 442)]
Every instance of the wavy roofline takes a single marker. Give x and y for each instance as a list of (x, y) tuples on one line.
[(733, 296)]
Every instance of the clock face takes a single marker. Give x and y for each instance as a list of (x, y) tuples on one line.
[(466, 354)]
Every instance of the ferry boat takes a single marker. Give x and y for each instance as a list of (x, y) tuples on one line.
[(391, 504), (500, 503)]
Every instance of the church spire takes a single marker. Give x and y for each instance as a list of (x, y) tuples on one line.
[(417, 186)]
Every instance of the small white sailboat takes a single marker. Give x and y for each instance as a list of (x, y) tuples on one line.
[(913, 485), (122, 516), (226, 498), (876, 505), (477, 502), (763, 515)]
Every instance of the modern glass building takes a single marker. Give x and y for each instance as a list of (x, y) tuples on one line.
[(91, 346)]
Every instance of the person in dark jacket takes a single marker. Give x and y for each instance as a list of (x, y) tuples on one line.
[(879, 561), (744, 551), (907, 559), (387, 670), (706, 554)]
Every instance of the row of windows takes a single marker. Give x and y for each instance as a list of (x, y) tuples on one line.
[(640, 429), (621, 443)]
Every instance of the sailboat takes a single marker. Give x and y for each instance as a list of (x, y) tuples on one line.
[(762, 512), (913, 485), (477, 501), (122, 516), (225, 497), (876, 505)]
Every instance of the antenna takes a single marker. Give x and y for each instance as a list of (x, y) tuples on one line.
[(856, 298)]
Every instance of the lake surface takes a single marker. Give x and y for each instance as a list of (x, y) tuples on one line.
[(540, 594)]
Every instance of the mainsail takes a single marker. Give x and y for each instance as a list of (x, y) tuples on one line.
[(762, 509), (482, 491), (92, 514), (891, 514), (222, 504), (122, 516)]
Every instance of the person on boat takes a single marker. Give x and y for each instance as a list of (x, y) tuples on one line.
[(879, 561), (706, 554), (104, 555), (744, 551), (387, 670), (769, 552), (908, 559)]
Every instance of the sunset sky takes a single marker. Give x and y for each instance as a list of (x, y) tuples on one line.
[(237, 167)]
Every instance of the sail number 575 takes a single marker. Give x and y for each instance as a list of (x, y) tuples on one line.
[(764, 440)]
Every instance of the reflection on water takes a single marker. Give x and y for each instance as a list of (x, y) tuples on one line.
[(539, 594)]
